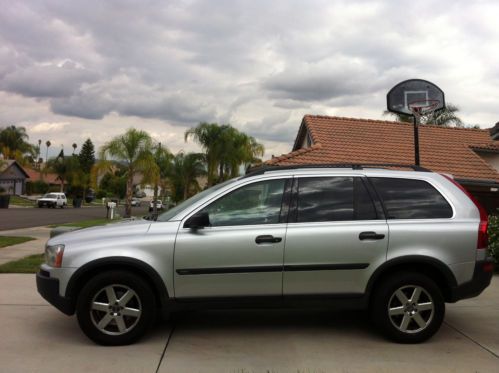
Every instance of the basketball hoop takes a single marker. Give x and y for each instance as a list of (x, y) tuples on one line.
[(423, 107)]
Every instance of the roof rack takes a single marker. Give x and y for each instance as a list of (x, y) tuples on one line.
[(355, 166)]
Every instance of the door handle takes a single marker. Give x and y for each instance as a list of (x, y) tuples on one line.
[(267, 239), (371, 236)]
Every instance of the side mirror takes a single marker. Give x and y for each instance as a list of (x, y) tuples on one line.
[(198, 221)]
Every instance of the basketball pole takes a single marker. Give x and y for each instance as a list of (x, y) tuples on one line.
[(416, 139)]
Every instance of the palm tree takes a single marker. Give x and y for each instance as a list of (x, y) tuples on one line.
[(14, 144), (208, 135), (134, 149), (48, 143), (226, 149), (183, 175), (445, 118), (162, 158)]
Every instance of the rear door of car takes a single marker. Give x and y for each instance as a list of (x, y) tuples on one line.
[(336, 237)]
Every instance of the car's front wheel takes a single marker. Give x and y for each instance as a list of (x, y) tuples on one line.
[(408, 307), (115, 308)]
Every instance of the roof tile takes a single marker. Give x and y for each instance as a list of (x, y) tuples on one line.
[(350, 140)]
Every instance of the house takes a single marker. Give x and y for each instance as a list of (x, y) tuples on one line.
[(50, 178), (470, 155), (12, 177)]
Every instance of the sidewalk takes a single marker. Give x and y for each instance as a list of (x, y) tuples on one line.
[(22, 250)]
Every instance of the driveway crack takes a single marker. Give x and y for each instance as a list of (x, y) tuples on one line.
[(166, 346), (472, 340)]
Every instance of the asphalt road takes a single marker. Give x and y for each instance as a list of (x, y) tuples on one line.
[(15, 218)]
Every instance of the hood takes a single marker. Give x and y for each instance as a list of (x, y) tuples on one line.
[(109, 231)]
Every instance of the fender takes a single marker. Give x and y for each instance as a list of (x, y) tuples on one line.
[(409, 260), (116, 261)]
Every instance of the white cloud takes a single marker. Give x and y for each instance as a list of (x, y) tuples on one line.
[(47, 127), (102, 67)]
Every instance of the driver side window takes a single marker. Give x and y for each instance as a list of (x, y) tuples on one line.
[(257, 203)]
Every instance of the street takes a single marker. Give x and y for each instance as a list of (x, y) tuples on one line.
[(38, 338), (15, 218)]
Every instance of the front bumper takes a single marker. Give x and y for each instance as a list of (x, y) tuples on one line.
[(481, 279), (49, 290)]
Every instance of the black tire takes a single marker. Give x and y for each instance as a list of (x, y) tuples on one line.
[(121, 282), (407, 327)]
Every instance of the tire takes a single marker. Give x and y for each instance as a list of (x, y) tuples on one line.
[(408, 307), (117, 328)]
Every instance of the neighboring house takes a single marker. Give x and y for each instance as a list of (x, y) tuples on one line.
[(12, 177), (470, 155), (47, 177)]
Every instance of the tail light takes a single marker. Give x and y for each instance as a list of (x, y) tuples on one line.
[(483, 237)]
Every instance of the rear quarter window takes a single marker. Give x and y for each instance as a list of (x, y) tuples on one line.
[(411, 199)]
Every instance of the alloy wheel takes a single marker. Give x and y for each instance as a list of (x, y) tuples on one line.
[(115, 309), (411, 309)]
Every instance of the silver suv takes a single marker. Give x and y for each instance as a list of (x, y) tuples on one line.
[(399, 243)]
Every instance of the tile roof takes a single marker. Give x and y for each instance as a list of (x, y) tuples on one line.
[(349, 140), (50, 178)]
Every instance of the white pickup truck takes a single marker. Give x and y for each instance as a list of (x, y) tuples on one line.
[(53, 200)]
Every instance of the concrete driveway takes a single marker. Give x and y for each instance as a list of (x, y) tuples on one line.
[(38, 338)]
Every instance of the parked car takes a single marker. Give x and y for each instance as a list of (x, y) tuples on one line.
[(135, 202), (159, 205), (53, 200), (398, 243), (90, 195), (140, 194)]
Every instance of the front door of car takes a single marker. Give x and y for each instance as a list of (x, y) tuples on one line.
[(336, 237), (240, 252)]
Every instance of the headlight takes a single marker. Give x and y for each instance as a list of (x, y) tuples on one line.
[(53, 255)]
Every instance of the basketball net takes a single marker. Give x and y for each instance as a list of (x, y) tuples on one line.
[(423, 108)]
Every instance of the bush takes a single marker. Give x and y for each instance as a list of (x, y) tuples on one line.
[(36, 187), (494, 238)]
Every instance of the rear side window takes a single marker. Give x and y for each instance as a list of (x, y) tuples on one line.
[(411, 199), (333, 199)]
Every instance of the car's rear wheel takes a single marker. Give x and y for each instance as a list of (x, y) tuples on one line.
[(115, 308), (408, 307)]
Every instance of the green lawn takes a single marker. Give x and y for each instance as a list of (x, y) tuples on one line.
[(19, 201), (30, 264), (12, 240)]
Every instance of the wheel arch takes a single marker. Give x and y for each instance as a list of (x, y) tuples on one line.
[(431, 267), (138, 267)]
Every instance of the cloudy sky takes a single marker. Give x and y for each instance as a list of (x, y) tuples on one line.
[(76, 69)]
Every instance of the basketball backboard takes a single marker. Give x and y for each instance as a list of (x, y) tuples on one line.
[(405, 96)]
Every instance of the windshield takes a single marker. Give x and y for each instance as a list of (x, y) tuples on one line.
[(190, 201), (50, 195)]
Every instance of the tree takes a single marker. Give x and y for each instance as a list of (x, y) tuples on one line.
[(134, 150), (184, 172), (67, 169), (86, 159), (47, 143), (445, 118), (225, 148), (87, 156), (162, 158), (14, 144), (208, 135)]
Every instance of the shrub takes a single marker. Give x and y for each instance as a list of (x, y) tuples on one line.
[(36, 187), (494, 238)]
